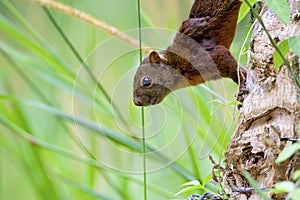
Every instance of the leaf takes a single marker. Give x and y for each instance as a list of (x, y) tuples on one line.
[(191, 183), (284, 49), (287, 152), (295, 194), (296, 175), (188, 189), (245, 9), (207, 179), (284, 187), (294, 43), (281, 8), (234, 103)]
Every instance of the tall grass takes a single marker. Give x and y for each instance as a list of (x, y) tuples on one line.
[(69, 129)]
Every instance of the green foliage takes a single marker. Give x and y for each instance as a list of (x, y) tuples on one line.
[(67, 133), (281, 8), (284, 187), (65, 136), (291, 188), (296, 175), (190, 186), (195, 186), (287, 152), (294, 43), (284, 49), (244, 10)]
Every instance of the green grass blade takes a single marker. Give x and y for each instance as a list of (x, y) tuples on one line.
[(44, 48), (130, 143), (19, 36), (61, 151)]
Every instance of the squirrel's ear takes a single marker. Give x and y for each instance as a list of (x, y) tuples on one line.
[(154, 57)]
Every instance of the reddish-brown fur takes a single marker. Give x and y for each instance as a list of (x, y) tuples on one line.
[(199, 52)]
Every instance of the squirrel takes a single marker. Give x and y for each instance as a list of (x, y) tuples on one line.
[(199, 53)]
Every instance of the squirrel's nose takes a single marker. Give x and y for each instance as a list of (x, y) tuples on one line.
[(137, 101)]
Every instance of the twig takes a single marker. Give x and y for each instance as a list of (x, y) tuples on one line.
[(92, 21), (289, 139)]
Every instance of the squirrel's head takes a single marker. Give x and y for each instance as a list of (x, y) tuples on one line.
[(154, 80)]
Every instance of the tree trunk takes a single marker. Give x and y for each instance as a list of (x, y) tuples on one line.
[(270, 112)]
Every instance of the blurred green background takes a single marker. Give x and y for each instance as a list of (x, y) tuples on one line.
[(62, 137)]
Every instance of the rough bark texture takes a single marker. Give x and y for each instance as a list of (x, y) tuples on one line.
[(270, 111)]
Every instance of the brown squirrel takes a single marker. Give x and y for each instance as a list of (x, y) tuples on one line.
[(199, 53)]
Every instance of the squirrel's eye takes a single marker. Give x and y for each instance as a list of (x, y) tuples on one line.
[(146, 82)]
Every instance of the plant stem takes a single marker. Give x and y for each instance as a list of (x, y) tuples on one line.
[(142, 111)]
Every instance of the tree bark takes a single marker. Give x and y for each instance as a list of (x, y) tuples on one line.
[(270, 111)]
